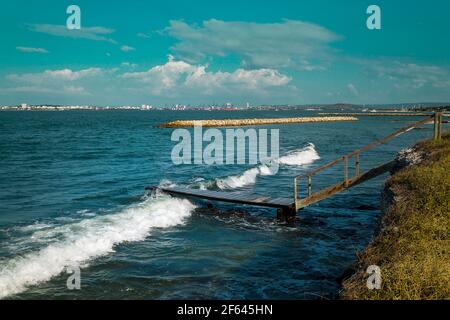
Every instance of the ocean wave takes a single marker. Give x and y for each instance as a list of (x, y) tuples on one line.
[(304, 156), (89, 239), (233, 182), (34, 227)]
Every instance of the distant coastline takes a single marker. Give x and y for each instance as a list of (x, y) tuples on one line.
[(338, 107)]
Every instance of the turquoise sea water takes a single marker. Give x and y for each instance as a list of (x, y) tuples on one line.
[(72, 193)]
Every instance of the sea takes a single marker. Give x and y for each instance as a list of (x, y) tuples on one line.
[(73, 203)]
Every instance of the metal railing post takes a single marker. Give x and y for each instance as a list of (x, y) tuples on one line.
[(357, 164), (296, 193), (309, 186), (437, 126), (346, 171)]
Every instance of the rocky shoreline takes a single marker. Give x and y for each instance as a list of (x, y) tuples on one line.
[(404, 159)]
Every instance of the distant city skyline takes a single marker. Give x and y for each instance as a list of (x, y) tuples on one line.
[(203, 53)]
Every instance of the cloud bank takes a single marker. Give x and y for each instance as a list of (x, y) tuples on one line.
[(294, 44), (89, 33), (175, 79), (180, 76)]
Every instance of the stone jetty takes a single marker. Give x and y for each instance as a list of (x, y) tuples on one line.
[(251, 122)]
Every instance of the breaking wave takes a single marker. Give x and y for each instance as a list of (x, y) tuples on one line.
[(89, 239), (245, 179), (304, 156)]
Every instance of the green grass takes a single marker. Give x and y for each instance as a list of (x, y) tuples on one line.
[(413, 246)]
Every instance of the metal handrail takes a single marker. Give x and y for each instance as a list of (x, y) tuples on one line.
[(437, 117), (365, 148)]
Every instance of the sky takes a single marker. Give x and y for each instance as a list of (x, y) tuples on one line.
[(203, 52)]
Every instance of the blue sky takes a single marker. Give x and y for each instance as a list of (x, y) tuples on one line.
[(202, 52)]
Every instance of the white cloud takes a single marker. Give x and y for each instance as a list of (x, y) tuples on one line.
[(30, 89), (75, 90), (62, 90), (61, 81), (31, 50), (179, 76), (90, 33), (143, 35), (411, 75), (126, 48), (297, 44), (175, 79), (352, 89), (127, 64), (54, 75)]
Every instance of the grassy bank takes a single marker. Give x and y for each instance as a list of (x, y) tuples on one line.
[(412, 247)]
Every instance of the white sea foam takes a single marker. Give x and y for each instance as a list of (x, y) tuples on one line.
[(233, 182), (89, 239), (304, 156), (34, 227), (166, 183)]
